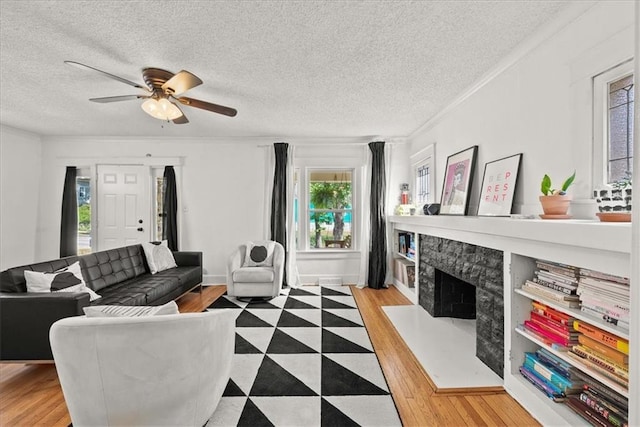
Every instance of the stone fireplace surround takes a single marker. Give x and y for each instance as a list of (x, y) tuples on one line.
[(479, 266)]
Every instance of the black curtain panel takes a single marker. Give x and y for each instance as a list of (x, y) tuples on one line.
[(69, 219), (170, 209), (279, 198), (378, 251)]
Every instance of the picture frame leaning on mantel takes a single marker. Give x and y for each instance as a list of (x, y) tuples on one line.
[(458, 177), (499, 186)]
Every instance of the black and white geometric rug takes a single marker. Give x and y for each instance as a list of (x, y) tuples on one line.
[(303, 358)]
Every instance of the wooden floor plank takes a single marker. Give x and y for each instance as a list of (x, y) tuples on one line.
[(31, 394)]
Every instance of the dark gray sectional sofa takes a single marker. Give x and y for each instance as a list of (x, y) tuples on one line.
[(120, 276)]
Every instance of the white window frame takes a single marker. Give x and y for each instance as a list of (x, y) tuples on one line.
[(424, 157), (304, 231), (601, 119)]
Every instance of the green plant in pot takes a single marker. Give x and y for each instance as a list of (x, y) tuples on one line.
[(555, 203)]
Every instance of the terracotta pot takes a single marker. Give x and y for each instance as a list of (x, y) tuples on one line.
[(555, 205)]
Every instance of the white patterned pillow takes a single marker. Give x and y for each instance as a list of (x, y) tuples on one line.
[(131, 311), (159, 256), (259, 254), (68, 279)]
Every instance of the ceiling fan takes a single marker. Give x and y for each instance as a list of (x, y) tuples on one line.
[(161, 91)]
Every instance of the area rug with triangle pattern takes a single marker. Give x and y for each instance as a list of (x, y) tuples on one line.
[(303, 358)]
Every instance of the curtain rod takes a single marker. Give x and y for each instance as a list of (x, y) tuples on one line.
[(343, 144)]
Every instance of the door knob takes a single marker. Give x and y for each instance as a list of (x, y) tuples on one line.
[(140, 229), (140, 221)]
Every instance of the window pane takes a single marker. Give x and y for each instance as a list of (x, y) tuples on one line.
[(159, 207), (620, 144), (83, 193), (330, 208), (423, 177)]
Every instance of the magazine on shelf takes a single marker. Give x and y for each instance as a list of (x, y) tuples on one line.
[(609, 411), (565, 331), (552, 313), (586, 412), (599, 389), (555, 296), (549, 374), (586, 273), (599, 369), (608, 352), (548, 389), (563, 269), (604, 337), (586, 353)]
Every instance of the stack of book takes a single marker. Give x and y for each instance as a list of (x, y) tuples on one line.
[(598, 404), (556, 282), (406, 244), (604, 297), (551, 375), (552, 327), (602, 352)]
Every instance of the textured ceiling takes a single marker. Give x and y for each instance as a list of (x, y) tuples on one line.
[(291, 69)]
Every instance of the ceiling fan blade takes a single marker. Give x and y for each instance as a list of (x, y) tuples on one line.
[(181, 82), (220, 109), (111, 76), (117, 98), (181, 120)]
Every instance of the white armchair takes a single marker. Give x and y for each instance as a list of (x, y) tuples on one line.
[(256, 269), (144, 371)]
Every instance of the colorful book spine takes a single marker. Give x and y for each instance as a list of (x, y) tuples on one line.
[(597, 368), (553, 314), (604, 408), (549, 335), (550, 391), (554, 327), (586, 412), (608, 352), (559, 365), (604, 337), (548, 374), (606, 364), (555, 296)]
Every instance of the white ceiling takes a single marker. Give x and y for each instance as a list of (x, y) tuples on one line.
[(290, 68)]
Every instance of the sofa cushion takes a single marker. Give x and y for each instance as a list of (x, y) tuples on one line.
[(259, 254), (159, 256), (142, 290), (188, 276), (106, 268), (67, 279), (131, 311), (12, 279), (253, 275)]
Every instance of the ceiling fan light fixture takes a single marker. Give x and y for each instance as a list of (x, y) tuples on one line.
[(162, 109)]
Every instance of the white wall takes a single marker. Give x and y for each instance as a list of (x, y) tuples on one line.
[(221, 186), (540, 105), (19, 196)]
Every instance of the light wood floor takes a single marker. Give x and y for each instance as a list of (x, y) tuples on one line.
[(30, 395)]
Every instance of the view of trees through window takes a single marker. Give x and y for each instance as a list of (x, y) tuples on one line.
[(330, 208), (621, 98), (83, 195)]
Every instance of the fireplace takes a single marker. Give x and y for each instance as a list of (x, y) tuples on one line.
[(453, 297), (462, 280)]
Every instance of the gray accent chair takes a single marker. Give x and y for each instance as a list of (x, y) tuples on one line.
[(255, 282)]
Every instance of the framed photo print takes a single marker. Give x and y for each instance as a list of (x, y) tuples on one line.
[(456, 187), (499, 186)]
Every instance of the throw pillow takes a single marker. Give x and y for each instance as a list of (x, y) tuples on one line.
[(131, 311), (259, 254), (159, 256), (68, 279)]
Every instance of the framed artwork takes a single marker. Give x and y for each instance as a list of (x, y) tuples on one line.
[(456, 187), (499, 186)]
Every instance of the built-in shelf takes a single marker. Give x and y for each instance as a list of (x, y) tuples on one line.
[(589, 244)]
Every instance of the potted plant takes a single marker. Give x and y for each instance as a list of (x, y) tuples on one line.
[(555, 203), (614, 201)]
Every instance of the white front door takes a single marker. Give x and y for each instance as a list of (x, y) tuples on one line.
[(123, 206)]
